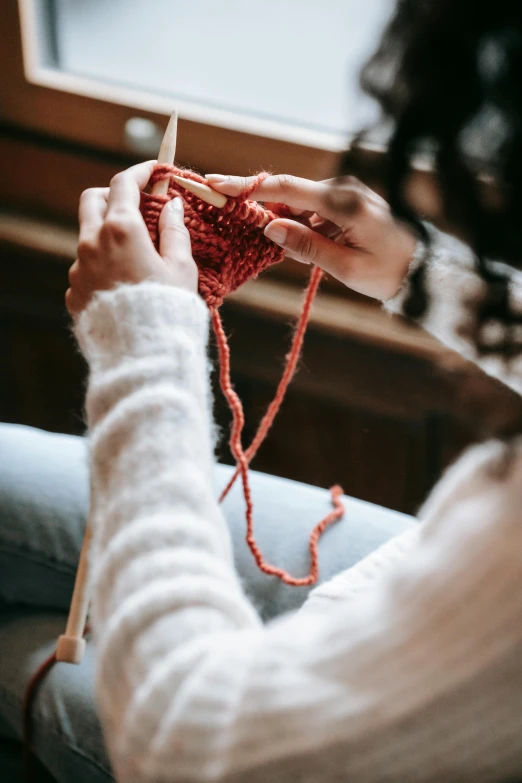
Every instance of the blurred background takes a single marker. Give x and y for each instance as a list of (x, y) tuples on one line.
[(86, 88)]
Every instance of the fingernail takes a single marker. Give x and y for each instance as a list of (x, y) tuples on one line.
[(216, 178), (177, 206), (276, 233)]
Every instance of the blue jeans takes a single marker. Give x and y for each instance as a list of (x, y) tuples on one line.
[(43, 503)]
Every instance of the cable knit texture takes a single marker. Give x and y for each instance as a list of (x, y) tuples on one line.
[(406, 668)]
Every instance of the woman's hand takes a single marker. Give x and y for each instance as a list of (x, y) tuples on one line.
[(114, 244), (355, 237)]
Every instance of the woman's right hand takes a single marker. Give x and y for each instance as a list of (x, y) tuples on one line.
[(354, 236)]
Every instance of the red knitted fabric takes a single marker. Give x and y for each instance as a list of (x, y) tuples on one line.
[(227, 243)]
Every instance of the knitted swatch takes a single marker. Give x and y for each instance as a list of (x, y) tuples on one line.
[(227, 243), (229, 248)]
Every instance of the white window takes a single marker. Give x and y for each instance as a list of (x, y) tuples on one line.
[(256, 85)]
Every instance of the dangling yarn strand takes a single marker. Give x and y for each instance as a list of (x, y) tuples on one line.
[(292, 359), (242, 461), (27, 711)]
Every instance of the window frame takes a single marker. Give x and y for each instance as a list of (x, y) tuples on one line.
[(93, 114)]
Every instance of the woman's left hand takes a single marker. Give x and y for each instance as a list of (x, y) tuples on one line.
[(114, 245)]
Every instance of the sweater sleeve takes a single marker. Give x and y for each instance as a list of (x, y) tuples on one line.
[(416, 679), (363, 575), (454, 289)]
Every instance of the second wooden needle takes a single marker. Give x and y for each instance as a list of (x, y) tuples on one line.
[(167, 152)]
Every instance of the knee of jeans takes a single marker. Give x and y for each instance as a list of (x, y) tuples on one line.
[(43, 505)]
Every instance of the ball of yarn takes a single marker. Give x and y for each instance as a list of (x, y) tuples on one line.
[(228, 243)]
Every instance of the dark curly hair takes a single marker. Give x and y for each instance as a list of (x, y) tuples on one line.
[(448, 77)]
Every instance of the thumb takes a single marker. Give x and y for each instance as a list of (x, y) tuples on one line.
[(305, 245), (174, 238)]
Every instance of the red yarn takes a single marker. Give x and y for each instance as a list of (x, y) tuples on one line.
[(229, 247), (291, 362), (27, 710), (227, 243)]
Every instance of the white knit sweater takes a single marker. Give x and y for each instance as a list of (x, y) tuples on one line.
[(406, 668)]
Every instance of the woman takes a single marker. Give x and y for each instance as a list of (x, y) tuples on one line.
[(407, 666)]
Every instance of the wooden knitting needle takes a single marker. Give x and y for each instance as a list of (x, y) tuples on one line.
[(71, 644), (167, 152), (204, 192)]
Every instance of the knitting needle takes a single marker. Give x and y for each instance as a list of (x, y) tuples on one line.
[(204, 192), (71, 644), (167, 153)]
